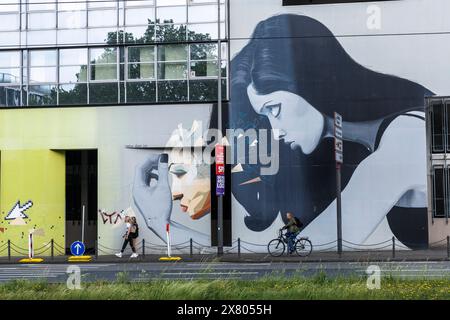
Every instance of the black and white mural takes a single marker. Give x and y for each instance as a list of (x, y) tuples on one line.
[(291, 76)]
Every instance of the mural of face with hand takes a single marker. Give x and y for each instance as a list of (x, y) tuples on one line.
[(300, 125), (190, 176)]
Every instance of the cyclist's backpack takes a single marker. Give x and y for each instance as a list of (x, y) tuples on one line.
[(298, 223)]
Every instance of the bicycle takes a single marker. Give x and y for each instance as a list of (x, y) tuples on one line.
[(276, 247)]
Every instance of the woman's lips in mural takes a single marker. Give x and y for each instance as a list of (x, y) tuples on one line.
[(184, 208)]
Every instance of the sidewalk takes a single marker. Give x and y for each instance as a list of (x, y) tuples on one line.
[(349, 256)]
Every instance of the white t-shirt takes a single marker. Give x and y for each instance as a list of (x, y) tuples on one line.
[(128, 225)]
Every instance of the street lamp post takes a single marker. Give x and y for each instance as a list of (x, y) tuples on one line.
[(219, 128)]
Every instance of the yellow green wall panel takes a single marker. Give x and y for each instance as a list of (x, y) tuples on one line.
[(32, 179)]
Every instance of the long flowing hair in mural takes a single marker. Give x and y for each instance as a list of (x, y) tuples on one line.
[(296, 60)]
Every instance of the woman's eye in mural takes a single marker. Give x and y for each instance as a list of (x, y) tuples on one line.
[(273, 110)]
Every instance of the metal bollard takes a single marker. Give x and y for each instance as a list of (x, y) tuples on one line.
[(239, 247), (448, 247), (191, 247), (51, 249), (143, 247), (9, 249), (393, 247)]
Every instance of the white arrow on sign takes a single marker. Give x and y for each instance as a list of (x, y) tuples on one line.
[(18, 211), (78, 247)]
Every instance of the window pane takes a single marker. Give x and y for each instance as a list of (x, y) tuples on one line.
[(138, 92), (72, 56), (437, 127), (43, 74), (9, 59), (100, 18), (103, 55), (71, 5), (141, 16), (203, 14), (172, 70), (41, 5), (73, 94), (172, 53), (11, 75), (42, 95), (447, 125), (72, 36), (41, 37), (203, 90), (134, 3), (204, 31), (12, 6), (10, 96), (141, 54), (171, 15), (102, 4), (144, 34), (204, 69), (73, 74), (204, 1), (172, 2), (141, 71), (438, 192), (9, 22), (43, 58), (170, 32), (172, 91), (204, 51), (104, 72), (72, 19), (103, 93), (41, 20), (102, 35)]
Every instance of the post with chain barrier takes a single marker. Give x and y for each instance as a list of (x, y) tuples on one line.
[(143, 247), (393, 247), (239, 247), (9, 250), (191, 247), (448, 247), (51, 249)]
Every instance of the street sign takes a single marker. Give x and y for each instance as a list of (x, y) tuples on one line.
[(220, 186), (220, 170), (338, 142), (77, 248)]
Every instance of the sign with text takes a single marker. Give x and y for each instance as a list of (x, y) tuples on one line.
[(220, 170), (338, 141)]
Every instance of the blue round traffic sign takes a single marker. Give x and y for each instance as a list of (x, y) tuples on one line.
[(77, 248)]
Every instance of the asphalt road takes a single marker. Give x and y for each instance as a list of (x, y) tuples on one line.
[(186, 270)]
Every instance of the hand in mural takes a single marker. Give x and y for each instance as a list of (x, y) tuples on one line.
[(151, 193)]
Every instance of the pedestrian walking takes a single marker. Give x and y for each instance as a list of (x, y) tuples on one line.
[(129, 237)]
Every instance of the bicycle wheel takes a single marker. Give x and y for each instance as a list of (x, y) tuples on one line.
[(276, 247), (303, 247)]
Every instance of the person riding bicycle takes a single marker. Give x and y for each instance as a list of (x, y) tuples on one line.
[(293, 226)]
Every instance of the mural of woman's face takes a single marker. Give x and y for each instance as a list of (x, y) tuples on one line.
[(191, 185), (298, 122)]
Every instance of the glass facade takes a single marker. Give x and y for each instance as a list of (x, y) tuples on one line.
[(109, 52)]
